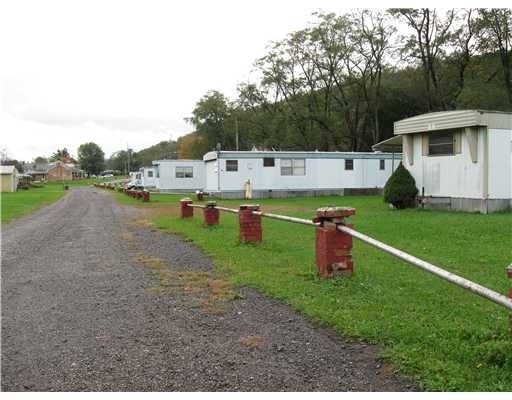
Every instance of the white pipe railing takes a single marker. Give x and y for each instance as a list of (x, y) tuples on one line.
[(417, 262)]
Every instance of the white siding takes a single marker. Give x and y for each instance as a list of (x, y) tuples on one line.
[(458, 176), (148, 181), (321, 173), (500, 164), (167, 175)]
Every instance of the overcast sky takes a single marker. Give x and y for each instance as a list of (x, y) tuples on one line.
[(124, 73)]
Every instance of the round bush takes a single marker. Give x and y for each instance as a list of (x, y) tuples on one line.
[(400, 189)]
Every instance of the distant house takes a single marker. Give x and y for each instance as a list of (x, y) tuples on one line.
[(37, 171), (461, 160), (59, 171), (9, 178)]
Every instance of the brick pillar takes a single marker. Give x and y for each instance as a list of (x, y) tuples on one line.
[(145, 196), (211, 214), (250, 224), (333, 248), (186, 212)]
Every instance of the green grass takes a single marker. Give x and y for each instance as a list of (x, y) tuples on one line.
[(22, 202), (445, 337)]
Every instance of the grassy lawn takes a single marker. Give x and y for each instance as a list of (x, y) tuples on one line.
[(443, 336), (22, 202)]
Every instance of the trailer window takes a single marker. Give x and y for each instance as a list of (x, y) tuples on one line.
[(293, 166), (440, 143), (382, 164), (150, 174), (184, 172), (232, 165), (349, 164), (268, 162)]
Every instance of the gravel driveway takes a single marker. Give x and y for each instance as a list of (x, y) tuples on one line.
[(93, 303)]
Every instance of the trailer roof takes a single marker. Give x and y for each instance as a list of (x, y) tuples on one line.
[(442, 120), (213, 155)]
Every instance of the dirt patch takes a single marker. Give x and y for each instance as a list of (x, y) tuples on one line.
[(251, 341), (202, 287)]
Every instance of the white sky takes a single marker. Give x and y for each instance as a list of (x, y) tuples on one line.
[(127, 72)]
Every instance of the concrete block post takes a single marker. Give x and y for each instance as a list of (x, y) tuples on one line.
[(145, 196), (333, 248), (186, 211), (211, 214), (250, 224)]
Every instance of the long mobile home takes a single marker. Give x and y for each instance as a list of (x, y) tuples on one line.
[(179, 176), (262, 174), (461, 160)]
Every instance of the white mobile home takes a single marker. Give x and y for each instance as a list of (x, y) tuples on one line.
[(148, 177), (180, 176), (461, 160), (263, 174)]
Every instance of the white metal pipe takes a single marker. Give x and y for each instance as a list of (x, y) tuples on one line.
[(453, 278), (450, 277), (231, 210), (286, 218), (196, 205)]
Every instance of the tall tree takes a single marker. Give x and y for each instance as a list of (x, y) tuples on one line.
[(428, 44), (91, 158), (495, 35), (210, 117)]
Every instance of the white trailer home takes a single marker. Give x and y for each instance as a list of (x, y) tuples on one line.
[(264, 174), (148, 177), (461, 160), (180, 176)]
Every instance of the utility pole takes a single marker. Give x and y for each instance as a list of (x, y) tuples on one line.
[(236, 132)]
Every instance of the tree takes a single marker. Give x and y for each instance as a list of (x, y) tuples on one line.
[(41, 160), (495, 35), (60, 155), (400, 189), (210, 116), (91, 158), (428, 43)]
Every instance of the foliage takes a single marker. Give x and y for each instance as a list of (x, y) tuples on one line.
[(446, 337), (191, 147), (61, 155), (340, 83), (400, 189), (91, 158)]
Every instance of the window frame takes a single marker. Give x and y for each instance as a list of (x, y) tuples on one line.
[(229, 168), (291, 166), (184, 172), (347, 160), (266, 160), (150, 174), (382, 165), (440, 143)]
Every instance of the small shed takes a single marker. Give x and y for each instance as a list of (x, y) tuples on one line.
[(9, 178), (461, 160), (180, 176), (265, 174)]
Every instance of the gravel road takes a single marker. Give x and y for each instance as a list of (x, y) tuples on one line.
[(90, 303)]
